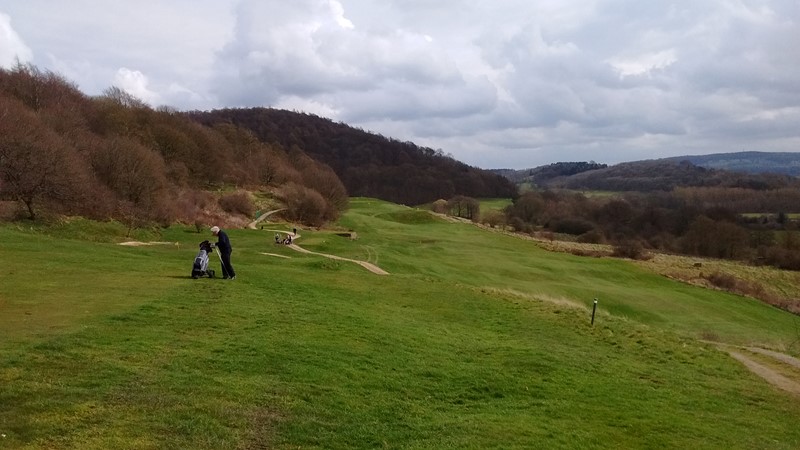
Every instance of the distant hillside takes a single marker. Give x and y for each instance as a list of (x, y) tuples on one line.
[(543, 175), (643, 176), (749, 162), (754, 170), (368, 164), (114, 157)]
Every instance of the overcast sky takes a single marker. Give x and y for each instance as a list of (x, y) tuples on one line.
[(497, 84)]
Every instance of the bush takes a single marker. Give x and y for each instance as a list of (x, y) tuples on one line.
[(238, 203), (782, 258), (439, 206), (723, 281), (494, 218), (730, 283), (305, 205), (575, 227), (591, 237), (520, 226), (630, 249)]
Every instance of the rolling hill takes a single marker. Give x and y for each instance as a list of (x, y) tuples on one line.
[(748, 162), (368, 164), (750, 170), (475, 339)]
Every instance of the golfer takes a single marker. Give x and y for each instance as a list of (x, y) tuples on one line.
[(224, 248)]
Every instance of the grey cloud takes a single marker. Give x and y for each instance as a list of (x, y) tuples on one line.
[(282, 53), (511, 83)]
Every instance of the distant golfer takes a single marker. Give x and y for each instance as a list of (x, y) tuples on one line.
[(224, 248)]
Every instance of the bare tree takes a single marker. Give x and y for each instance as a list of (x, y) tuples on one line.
[(135, 173), (35, 165)]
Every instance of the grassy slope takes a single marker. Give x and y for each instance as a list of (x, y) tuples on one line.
[(107, 346)]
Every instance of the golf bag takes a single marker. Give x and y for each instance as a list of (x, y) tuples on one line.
[(200, 267)]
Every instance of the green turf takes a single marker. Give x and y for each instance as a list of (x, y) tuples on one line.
[(495, 204), (106, 346)]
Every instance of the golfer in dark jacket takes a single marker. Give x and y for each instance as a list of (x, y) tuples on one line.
[(224, 248)]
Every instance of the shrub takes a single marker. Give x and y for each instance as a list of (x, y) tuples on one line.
[(730, 283), (238, 203), (439, 206), (494, 218), (630, 249), (782, 258), (304, 205), (591, 237), (723, 281), (520, 226), (575, 227)]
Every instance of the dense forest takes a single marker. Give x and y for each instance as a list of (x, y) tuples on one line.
[(368, 164), (113, 157)]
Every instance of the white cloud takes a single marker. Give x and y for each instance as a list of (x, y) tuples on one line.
[(644, 64), (12, 48), (135, 83)]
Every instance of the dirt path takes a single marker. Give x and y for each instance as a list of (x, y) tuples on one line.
[(142, 244), (369, 266), (252, 225), (786, 359), (768, 374)]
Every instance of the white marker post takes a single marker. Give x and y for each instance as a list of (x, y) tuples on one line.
[(594, 308)]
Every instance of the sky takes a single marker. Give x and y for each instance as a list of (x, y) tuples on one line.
[(496, 84)]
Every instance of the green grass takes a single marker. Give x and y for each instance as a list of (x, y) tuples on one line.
[(106, 346), (494, 204)]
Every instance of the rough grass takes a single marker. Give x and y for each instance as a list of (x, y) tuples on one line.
[(780, 288), (475, 340)]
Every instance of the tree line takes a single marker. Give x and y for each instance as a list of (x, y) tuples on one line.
[(731, 223), (114, 157)]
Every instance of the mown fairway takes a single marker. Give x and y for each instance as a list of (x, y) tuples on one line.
[(474, 340)]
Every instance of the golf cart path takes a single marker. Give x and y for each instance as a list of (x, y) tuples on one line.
[(252, 225), (769, 374), (790, 360), (369, 266)]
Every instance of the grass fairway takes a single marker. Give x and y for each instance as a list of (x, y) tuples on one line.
[(472, 341)]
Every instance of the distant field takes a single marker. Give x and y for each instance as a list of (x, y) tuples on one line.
[(494, 204), (474, 340), (791, 216)]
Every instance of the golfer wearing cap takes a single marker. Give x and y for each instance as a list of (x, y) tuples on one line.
[(224, 248)]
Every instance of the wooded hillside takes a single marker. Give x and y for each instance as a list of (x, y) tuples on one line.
[(644, 176), (368, 164), (114, 157)]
